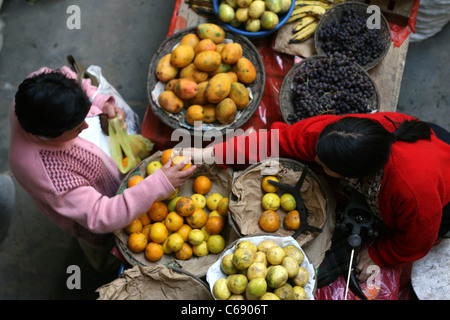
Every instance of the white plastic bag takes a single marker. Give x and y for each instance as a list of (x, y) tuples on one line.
[(105, 88), (432, 16)]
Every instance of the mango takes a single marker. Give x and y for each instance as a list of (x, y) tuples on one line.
[(245, 70), (240, 95), (208, 61), (218, 88), (171, 84), (219, 47), (205, 45), (210, 113), (185, 89), (211, 31), (231, 53), (165, 71), (191, 39), (192, 73), (226, 111), (182, 56), (201, 98), (223, 68), (194, 113), (170, 102), (233, 76)]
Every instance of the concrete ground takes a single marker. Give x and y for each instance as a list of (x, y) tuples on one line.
[(121, 36)]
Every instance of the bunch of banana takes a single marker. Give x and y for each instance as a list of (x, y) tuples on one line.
[(201, 7), (306, 16)]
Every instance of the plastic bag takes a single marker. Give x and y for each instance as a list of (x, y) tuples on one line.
[(126, 150), (105, 88)]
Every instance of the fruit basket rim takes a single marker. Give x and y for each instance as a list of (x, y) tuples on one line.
[(336, 10), (258, 86), (258, 34), (286, 91)]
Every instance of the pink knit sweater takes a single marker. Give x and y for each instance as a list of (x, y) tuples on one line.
[(74, 184)]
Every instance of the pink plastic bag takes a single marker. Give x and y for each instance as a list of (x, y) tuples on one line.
[(390, 283)]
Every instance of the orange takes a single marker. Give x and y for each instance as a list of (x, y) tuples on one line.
[(158, 232), (202, 185), (197, 219), (178, 159), (222, 207), (173, 221), (158, 211), (175, 242), (134, 226), (292, 220), (194, 113), (269, 221), (185, 253), (166, 155), (266, 186), (145, 219), (214, 225), (184, 231), (146, 231), (134, 180), (137, 242), (154, 251), (185, 207), (125, 162), (212, 201)]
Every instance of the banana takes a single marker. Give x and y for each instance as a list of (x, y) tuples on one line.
[(300, 3), (203, 10), (296, 17), (310, 10), (304, 34), (299, 25), (206, 3)]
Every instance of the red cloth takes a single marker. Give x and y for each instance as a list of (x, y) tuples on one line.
[(415, 185)]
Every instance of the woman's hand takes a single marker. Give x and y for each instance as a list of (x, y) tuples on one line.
[(199, 155), (112, 111), (176, 176), (365, 265)]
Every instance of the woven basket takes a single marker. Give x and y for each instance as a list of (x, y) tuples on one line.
[(335, 14), (257, 87), (288, 171), (286, 94), (221, 180)]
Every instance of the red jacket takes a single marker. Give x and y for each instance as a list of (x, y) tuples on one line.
[(415, 185)]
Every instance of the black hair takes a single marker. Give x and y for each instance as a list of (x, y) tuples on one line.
[(50, 104), (357, 147)]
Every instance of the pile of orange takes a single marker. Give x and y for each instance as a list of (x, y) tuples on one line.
[(270, 220), (184, 226)]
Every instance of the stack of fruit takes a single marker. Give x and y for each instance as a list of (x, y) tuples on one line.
[(253, 15), (263, 271), (205, 78), (270, 220), (180, 225), (306, 16)]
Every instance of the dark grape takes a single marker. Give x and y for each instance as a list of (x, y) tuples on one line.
[(330, 85), (352, 37)]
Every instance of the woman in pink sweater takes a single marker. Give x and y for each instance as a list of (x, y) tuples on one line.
[(71, 180)]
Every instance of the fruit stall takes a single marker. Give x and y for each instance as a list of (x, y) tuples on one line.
[(260, 232)]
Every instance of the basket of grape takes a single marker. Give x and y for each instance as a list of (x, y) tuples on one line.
[(354, 29), (321, 84)]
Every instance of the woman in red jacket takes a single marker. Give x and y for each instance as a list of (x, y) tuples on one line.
[(395, 160)]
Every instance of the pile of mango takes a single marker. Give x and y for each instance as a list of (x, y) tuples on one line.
[(205, 77)]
